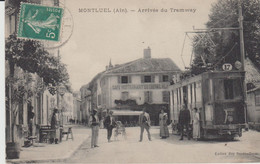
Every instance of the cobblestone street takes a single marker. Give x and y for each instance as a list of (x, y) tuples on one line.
[(167, 150)]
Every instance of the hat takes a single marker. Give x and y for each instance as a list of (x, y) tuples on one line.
[(55, 110)]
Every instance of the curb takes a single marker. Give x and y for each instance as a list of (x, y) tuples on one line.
[(17, 161)]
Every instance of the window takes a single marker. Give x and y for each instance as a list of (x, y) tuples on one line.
[(124, 96), (228, 89), (165, 78), (166, 96), (257, 98), (147, 79), (124, 79), (228, 86), (148, 96)]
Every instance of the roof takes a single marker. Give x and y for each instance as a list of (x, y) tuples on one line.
[(146, 65), (252, 73)]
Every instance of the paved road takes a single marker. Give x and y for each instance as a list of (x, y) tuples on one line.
[(167, 150)]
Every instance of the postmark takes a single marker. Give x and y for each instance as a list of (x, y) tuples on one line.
[(40, 22)]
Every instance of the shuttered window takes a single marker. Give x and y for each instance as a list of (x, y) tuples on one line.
[(148, 97), (124, 79), (124, 96), (165, 78), (147, 79), (166, 96), (257, 98)]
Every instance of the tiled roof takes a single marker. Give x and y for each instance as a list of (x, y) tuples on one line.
[(146, 65)]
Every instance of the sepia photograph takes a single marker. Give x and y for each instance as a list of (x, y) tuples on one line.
[(131, 81)]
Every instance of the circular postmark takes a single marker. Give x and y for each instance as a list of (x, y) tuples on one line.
[(66, 30)]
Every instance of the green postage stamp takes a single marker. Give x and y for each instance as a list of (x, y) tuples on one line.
[(39, 22)]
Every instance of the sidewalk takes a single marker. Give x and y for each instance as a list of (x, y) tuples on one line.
[(43, 152)]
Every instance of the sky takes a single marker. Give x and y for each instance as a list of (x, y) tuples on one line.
[(122, 36)]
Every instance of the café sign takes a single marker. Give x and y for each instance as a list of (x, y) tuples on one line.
[(140, 86)]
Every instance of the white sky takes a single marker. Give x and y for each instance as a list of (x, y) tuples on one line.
[(97, 37)]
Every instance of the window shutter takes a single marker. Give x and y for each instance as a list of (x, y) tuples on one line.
[(170, 77), (160, 78), (129, 79), (152, 78), (142, 79), (118, 79)]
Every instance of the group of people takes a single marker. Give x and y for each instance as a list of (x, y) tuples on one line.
[(109, 124), (185, 121), (145, 124)]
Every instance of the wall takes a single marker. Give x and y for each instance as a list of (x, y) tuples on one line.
[(253, 110)]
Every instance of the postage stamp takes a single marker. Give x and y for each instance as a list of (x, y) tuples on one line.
[(40, 22)]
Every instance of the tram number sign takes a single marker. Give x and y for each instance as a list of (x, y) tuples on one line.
[(227, 67)]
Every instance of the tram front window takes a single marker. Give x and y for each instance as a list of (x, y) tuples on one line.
[(226, 89)]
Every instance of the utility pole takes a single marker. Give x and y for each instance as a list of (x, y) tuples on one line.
[(242, 54), (241, 34)]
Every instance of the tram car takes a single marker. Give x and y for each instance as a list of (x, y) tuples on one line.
[(220, 99)]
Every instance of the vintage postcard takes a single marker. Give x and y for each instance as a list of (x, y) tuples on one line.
[(119, 81)]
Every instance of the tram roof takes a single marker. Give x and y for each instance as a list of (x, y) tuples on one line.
[(205, 75)]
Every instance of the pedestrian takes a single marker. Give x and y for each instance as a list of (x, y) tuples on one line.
[(94, 123), (54, 127), (184, 121), (196, 124), (102, 123), (109, 124), (164, 131), (145, 123)]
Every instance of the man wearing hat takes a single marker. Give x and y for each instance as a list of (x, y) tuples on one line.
[(109, 124), (94, 124), (54, 127), (184, 121), (145, 123)]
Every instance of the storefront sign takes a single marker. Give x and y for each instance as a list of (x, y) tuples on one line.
[(140, 86)]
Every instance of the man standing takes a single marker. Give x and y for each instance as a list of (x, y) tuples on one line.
[(184, 121), (145, 123), (94, 123), (109, 124), (54, 127)]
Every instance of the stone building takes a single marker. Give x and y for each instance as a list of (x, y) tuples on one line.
[(253, 92), (133, 85)]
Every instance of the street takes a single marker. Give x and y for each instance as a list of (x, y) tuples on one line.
[(129, 150)]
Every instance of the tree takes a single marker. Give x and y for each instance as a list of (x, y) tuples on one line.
[(30, 57), (220, 46)]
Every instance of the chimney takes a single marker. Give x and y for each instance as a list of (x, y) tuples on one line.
[(147, 53)]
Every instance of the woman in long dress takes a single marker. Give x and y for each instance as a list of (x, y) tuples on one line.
[(196, 124), (164, 131)]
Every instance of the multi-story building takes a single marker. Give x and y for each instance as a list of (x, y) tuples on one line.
[(42, 102), (130, 86)]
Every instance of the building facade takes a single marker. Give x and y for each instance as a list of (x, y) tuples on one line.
[(253, 92), (133, 85)]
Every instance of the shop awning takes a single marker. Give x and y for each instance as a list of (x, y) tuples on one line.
[(126, 113)]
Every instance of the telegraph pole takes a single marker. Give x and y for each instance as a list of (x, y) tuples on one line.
[(242, 54), (241, 34)]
